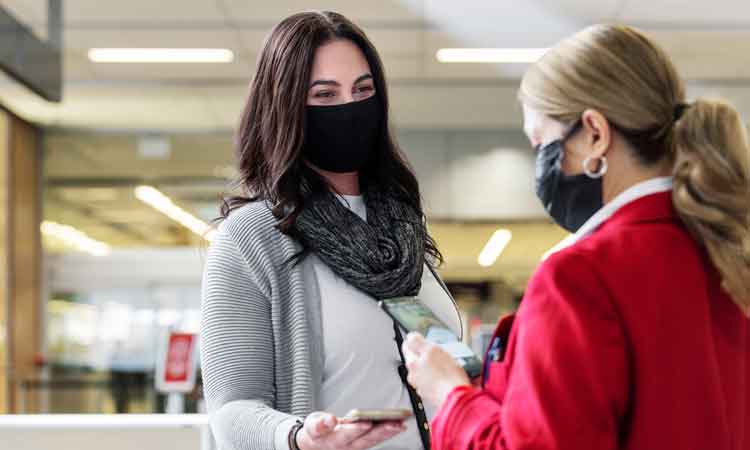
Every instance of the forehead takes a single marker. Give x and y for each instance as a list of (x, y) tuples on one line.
[(338, 60)]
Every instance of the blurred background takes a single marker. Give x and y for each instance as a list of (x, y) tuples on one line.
[(110, 171)]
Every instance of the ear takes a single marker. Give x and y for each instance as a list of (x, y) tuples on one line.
[(598, 133)]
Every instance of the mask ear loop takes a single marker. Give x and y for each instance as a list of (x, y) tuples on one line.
[(603, 166)]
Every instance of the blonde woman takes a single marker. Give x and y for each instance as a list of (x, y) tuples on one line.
[(635, 336)]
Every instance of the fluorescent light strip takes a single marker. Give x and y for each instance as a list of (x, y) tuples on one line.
[(161, 55), (160, 202), (490, 55), (75, 238), (495, 246)]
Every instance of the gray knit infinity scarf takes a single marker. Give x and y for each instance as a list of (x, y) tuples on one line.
[(383, 256)]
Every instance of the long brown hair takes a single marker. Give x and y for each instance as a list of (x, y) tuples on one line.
[(271, 131), (623, 74)]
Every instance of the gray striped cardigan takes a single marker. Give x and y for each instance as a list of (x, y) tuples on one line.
[(261, 333)]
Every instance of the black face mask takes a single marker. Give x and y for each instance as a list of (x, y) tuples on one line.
[(343, 138), (570, 199)]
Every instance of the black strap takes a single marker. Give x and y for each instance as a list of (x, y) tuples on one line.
[(416, 402)]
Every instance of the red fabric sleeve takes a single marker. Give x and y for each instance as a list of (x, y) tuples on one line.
[(567, 388), (469, 419)]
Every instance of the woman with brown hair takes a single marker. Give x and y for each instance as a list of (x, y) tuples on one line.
[(636, 335), (327, 221)]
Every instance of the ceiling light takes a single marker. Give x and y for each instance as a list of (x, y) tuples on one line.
[(74, 238), (489, 55), (160, 202), (161, 55), (495, 246)]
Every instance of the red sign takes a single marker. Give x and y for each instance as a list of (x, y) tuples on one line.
[(179, 358), (176, 366)]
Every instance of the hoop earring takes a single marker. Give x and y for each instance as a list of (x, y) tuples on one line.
[(603, 166)]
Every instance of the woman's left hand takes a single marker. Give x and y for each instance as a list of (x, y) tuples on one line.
[(432, 371)]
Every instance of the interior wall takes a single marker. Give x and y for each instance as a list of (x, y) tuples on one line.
[(474, 175), (465, 175)]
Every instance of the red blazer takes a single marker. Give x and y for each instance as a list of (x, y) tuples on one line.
[(623, 341)]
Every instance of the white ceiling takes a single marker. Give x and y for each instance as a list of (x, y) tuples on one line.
[(709, 41)]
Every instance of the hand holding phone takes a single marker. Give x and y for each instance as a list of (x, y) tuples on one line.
[(414, 316), (323, 431), (432, 371)]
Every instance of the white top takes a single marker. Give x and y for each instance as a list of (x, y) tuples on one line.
[(633, 193), (361, 358)]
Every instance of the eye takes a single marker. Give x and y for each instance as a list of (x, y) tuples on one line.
[(324, 94), (367, 88)]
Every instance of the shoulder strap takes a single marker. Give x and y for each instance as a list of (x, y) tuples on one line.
[(416, 402)]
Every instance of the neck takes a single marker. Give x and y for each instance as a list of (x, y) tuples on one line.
[(617, 183), (341, 183)]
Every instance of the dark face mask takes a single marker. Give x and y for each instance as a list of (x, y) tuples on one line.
[(343, 138), (570, 199)]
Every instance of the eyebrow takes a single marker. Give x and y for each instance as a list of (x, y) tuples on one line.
[(362, 78), (367, 76), (325, 83)]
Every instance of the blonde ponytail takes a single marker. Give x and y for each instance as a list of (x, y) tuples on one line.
[(712, 189), (623, 74)]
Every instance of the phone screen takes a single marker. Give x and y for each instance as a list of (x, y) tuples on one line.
[(413, 316)]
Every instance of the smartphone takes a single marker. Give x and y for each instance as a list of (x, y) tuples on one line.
[(414, 316), (376, 415)]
